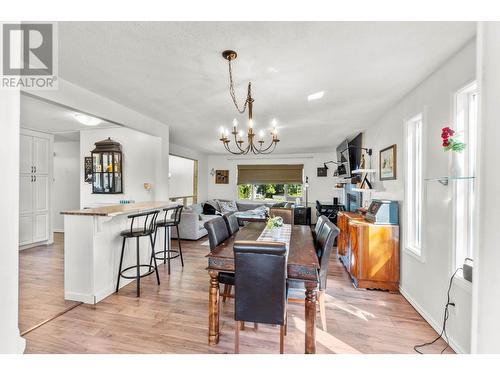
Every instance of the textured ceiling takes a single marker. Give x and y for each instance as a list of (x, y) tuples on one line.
[(173, 71)]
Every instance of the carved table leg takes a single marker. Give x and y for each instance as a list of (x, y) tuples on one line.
[(310, 317), (213, 309)]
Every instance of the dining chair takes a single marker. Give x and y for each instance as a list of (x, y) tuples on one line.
[(232, 223), (285, 213), (217, 233), (317, 228), (260, 286), (325, 240)]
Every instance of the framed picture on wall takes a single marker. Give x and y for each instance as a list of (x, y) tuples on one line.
[(387, 163), (222, 176), (322, 172), (88, 170)]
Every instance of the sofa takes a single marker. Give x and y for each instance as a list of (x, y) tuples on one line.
[(194, 217)]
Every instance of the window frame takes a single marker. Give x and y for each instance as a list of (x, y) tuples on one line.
[(410, 248), (467, 188)]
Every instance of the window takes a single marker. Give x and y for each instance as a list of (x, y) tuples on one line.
[(183, 179), (413, 185), (466, 107), (275, 192)]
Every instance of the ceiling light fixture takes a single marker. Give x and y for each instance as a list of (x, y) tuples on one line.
[(86, 120), (252, 147), (315, 96)]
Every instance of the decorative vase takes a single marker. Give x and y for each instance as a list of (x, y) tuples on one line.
[(455, 169)]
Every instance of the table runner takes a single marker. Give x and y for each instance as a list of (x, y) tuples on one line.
[(284, 236)]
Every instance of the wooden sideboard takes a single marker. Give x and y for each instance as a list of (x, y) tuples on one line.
[(369, 252)]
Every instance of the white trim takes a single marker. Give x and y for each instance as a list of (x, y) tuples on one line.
[(437, 327)]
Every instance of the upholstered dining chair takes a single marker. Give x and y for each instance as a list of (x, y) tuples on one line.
[(260, 286), (232, 223), (217, 233), (325, 239), (317, 228), (285, 213)]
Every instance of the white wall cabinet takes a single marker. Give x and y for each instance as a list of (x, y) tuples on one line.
[(35, 187)]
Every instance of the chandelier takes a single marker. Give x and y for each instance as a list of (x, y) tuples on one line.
[(255, 147)]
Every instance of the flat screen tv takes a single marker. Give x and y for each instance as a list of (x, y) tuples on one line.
[(349, 156)]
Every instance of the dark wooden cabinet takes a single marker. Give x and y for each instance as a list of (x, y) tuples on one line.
[(369, 252), (302, 215)]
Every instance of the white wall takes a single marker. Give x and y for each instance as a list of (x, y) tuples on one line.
[(424, 282), (66, 186), (320, 188), (486, 301), (202, 167), (10, 341), (141, 158)]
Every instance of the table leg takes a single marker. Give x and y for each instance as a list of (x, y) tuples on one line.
[(213, 309), (310, 318)]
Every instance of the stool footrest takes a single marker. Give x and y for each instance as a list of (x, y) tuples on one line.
[(150, 267), (168, 252)]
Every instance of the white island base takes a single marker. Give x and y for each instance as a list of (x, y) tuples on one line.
[(92, 248)]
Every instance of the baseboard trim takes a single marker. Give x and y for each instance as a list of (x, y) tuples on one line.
[(437, 327)]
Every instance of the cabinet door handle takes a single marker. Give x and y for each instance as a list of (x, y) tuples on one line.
[(31, 178), (35, 169), (32, 169), (35, 178)]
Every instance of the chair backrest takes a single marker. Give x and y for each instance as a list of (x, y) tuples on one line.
[(326, 238), (217, 231), (232, 223), (173, 213), (285, 213), (260, 281), (319, 224), (149, 220)]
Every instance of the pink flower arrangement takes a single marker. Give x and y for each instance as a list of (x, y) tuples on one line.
[(450, 140)]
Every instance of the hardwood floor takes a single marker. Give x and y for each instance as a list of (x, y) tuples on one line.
[(41, 283), (173, 317)]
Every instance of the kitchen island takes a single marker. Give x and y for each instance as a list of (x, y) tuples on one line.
[(92, 246)]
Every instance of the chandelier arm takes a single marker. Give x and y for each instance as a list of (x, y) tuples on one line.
[(237, 144), (232, 152), (268, 147), (267, 153)]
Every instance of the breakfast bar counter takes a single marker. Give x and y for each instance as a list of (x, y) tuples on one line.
[(92, 246)]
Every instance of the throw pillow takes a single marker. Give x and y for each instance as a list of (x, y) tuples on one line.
[(228, 206), (208, 209)]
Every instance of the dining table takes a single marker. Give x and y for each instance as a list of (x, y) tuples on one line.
[(302, 265)]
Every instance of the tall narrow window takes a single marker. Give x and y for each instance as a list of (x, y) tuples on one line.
[(466, 106), (413, 185)]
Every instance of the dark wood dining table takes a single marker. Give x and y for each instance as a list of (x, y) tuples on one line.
[(302, 265)]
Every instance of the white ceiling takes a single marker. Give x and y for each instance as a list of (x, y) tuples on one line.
[(173, 71), (54, 119)]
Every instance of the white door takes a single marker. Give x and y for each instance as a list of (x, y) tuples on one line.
[(41, 155), (34, 187), (41, 193), (41, 227), (26, 154), (26, 194), (25, 229)]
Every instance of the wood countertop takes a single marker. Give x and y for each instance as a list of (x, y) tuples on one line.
[(120, 209)]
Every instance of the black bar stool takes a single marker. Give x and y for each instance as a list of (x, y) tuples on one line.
[(171, 219), (141, 231)]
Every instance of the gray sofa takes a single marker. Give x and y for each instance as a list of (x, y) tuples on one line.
[(191, 226)]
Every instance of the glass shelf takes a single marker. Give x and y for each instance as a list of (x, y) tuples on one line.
[(445, 180)]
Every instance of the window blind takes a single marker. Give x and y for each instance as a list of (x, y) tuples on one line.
[(270, 174)]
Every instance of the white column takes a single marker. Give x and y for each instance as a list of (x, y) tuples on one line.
[(486, 283), (10, 341)]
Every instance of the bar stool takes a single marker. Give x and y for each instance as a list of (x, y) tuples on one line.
[(140, 231), (171, 219)]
